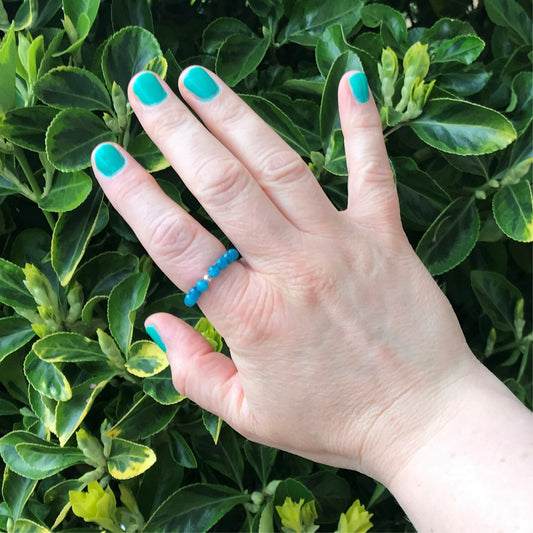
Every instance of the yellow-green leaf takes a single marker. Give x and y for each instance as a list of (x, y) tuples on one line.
[(146, 359), (513, 211), (128, 459)]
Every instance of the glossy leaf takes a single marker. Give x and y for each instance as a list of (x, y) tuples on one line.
[(308, 20), (137, 14), (446, 28), (497, 296), (463, 82), (13, 292), (451, 237), (44, 408), (335, 161), (46, 378), (239, 56), (65, 87), (393, 28), (511, 15), (26, 126), (68, 347), (49, 459), (144, 419), (213, 424), (261, 458), (332, 44), (195, 508), (161, 388), (463, 128), (70, 414), (8, 67), (147, 154), (521, 116), (16, 490), (70, 189), (145, 359), (71, 236), (329, 113), (124, 300), (129, 459), (219, 30), (72, 136), (127, 52), (463, 48), (180, 451), (513, 211), (280, 122), (24, 525), (15, 332)]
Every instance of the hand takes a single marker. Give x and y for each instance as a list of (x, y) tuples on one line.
[(343, 348)]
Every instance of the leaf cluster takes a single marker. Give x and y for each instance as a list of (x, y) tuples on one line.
[(93, 432)]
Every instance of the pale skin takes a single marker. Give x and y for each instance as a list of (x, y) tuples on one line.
[(343, 348)]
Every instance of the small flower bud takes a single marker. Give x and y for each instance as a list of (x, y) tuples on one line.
[(388, 74)]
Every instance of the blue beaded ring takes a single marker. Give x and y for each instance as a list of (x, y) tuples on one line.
[(213, 271)]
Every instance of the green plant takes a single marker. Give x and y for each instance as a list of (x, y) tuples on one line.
[(94, 434)]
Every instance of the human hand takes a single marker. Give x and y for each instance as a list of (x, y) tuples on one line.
[(343, 348)]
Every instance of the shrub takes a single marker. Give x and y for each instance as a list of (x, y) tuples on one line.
[(94, 434)]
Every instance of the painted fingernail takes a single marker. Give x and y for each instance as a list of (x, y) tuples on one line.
[(152, 331), (200, 83), (109, 161), (148, 89), (359, 85)]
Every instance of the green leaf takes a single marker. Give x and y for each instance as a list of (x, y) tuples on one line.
[(145, 359), (293, 489), (15, 332), (70, 414), (26, 126), (75, 8), (70, 189), (7, 408), (13, 292), (280, 122), (161, 388), (393, 28), (144, 419), (147, 154), (68, 347), (47, 458), (71, 236), (332, 44), (23, 525), (16, 491), (445, 28), (124, 300), (137, 14), (512, 16), (213, 424), (44, 408), (513, 211), (463, 48), (308, 20), (451, 238), (522, 90), (195, 508), (127, 52), (463, 128), (180, 451), (497, 296), (129, 459), (464, 82), (65, 87), (239, 56), (261, 458), (8, 67), (335, 161), (72, 136), (219, 30), (46, 378), (329, 112)]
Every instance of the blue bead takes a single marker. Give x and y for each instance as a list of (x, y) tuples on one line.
[(213, 271), (222, 263), (231, 255), (189, 300), (202, 285)]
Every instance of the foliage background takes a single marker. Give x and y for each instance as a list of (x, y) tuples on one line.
[(84, 396)]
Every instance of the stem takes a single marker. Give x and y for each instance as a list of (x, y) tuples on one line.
[(395, 128), (23, 162)]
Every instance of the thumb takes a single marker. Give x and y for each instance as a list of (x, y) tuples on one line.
[(208, 378), (372, 196)]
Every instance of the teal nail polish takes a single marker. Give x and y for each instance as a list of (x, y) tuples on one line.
[(155, 336), (108, 160), (148, 89), (359, 85), (200, 83)]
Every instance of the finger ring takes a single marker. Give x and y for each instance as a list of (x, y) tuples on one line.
[(213, 271)]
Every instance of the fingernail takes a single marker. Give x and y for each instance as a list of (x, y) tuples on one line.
[(155, 336), (108, 160), (200, 83), (359, 85), (148, 89)]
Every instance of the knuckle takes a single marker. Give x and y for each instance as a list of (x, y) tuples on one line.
[(168, 238), (167, 125), (231, 116), (220, 179), (283, 166)]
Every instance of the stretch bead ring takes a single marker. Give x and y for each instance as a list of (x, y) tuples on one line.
[(213, 271)]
